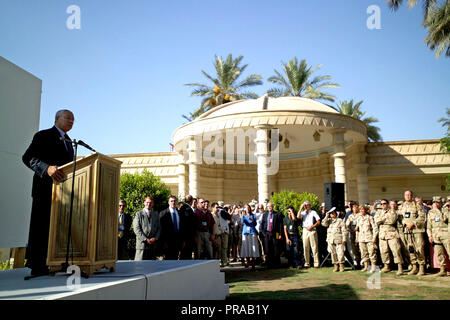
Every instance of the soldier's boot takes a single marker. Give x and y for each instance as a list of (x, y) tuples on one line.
[(341, 267), (413, 270), (441, 273), (421, 270), (386, 268), (336, 269), (374, 268), (366, 266), (400, 269)]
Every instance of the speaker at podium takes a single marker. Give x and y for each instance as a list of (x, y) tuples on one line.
[(334, 195)]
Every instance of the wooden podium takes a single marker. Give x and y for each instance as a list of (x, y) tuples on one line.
[(94, 216)]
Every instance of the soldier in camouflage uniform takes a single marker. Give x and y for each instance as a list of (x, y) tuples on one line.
[(336, 238), (367, 233), (389, 237), (352, 245), (438, 233), (412, 220)]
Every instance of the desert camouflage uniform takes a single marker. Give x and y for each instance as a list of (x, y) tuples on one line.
[(410, 213), (388, 236), (352, 245), (367, 232), (336, 235), (438, 229)]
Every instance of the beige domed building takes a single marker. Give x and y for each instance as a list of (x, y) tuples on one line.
[(253, 148)]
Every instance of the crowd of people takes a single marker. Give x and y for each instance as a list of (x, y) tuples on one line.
[(365, 235)]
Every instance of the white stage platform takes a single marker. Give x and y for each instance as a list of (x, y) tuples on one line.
[(133, 280)]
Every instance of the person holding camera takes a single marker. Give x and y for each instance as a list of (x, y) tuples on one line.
[(336, 238), (310, 221), (291, 225), (250, 245), (438, 233), (413, 221)]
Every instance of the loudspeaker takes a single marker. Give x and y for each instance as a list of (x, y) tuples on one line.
[(334, 195)]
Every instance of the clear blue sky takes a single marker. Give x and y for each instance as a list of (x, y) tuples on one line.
[(123, 73)]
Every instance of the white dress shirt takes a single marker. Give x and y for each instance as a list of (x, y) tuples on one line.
[(307, 218)]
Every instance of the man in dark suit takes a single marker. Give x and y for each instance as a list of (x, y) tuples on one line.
[(46, 153), (124, 231), (172, 230), (190, 220), (272, 227)]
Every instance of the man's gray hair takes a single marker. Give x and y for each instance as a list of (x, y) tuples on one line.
[(60, 113)]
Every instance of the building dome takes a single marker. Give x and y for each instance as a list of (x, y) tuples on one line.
[(268, 104)]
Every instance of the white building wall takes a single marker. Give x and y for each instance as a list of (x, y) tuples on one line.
[(20, 102)]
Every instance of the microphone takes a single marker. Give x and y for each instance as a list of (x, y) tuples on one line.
[(85, 145), (80, 142)]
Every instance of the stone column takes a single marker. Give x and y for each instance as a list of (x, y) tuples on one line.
[(193, 162), (262, 156), (361, 176), (182, 176), (339, 158)]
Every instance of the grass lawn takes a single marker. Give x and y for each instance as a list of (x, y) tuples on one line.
[(323, 283)]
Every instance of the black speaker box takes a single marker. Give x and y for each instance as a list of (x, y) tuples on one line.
[(334, 195)]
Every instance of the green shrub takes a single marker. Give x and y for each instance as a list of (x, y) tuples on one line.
[(135, 187), (282, 200)]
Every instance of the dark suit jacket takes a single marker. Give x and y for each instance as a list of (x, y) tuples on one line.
[(277, 224), (45, 150), (167, 232), (189, 222)]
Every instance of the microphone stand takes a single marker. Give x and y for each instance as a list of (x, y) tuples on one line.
[(65, 265)]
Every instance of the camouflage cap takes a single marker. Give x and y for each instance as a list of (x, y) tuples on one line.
[(400, 203), (436, 199), (378, 206), (448, 198), (221, 203)]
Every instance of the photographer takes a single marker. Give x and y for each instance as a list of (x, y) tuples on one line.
[(291, 224), (310, 221), (336, 238)]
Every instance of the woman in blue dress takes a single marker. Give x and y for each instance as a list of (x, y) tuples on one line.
[(250, 245)]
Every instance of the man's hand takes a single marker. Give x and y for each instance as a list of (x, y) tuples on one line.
[(410, 225), (309, 228), (430, 239), (54, 173), (374, 241), (151, 240), (288, 242)]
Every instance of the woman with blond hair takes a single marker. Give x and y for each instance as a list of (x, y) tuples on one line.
[(366, 236)]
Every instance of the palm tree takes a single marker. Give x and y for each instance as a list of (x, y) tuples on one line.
[(225, 86), (297, 82), (445, 142), (354, 110), (438, 24), (436, 20)]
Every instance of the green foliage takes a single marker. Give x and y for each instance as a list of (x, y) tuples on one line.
[(282, 200), (436, 20), (225, 87), (354, 110), (445, 142), (5, 265), (298, 81), (135, 187)]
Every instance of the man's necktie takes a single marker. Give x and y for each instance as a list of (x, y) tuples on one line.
[(175, 223), (68, 146), (270, 222)]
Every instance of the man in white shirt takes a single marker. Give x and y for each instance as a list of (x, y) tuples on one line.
[(310, 221)]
